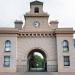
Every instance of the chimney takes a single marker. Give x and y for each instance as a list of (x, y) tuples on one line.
[(18, 24), (54, 24)]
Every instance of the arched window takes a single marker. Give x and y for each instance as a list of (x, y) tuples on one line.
[(7, 45), (36, 10), (65, 46)]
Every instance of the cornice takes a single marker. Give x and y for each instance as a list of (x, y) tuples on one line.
[(64, 31), (36, 34), (51, 33), (8, 31), (36, 3), (36, 15)]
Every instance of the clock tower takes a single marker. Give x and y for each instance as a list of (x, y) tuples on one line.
[(36, 19)]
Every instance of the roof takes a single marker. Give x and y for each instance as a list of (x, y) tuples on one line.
[(54, 22), (18, 22), (36, 3)]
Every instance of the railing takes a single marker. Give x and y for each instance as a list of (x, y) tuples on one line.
[(50, 68), (53, 68), (36, 69)]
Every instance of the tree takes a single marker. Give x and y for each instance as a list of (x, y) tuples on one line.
[(36, 59)]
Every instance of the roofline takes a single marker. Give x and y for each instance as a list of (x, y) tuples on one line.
[(64, 31), (57, 31), (36, 15), (8, 31), (32, 3), (18, 22)]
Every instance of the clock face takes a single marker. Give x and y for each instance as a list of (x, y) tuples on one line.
[(36, 24)]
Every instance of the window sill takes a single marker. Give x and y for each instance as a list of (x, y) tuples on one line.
[(6, 66), (67, 66), (7, 51), (65, 51)]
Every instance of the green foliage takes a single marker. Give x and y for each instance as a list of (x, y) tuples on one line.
[(37, 61)]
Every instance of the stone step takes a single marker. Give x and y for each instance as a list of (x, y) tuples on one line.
[(38, 73)]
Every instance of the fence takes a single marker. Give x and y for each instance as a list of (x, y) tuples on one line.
[(50, 68)]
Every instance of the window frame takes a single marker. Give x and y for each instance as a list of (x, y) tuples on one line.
[(6, 61), (36, 10), (66, 60), (7, 46), (65, 46), (74, 43)]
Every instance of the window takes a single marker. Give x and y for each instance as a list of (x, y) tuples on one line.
[(6, 61), (74, 42), (36, 10), (7, 45), (65, 46), (66, 61)]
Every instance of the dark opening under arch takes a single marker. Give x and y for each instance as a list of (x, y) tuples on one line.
[(37, 61), (36, 10)]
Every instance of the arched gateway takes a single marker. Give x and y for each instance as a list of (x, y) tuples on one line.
[(37, 61)]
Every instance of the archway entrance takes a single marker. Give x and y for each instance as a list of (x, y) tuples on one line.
[(37, 61)]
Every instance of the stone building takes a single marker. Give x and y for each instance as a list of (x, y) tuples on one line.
[(19, 44)]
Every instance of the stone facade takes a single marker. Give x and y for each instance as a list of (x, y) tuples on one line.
[(36, 34)]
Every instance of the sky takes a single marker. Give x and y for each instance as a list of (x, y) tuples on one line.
[(61, 10)]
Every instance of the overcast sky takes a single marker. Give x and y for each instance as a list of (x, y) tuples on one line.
[(61, 10)]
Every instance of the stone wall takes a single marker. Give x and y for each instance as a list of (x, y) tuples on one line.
[(47, 44), (61, 53), (12, 53)]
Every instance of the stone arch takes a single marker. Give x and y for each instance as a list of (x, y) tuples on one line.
[(30, 55), (33, 48)]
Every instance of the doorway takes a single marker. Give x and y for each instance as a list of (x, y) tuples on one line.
[(37, 61)]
